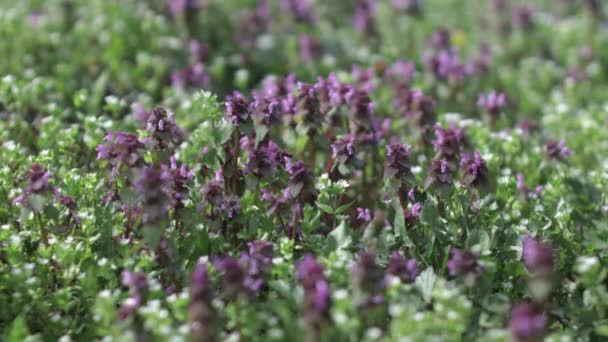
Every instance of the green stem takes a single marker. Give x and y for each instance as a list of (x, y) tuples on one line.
[(43, 231)]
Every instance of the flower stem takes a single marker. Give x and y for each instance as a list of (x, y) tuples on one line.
[(43, 231)]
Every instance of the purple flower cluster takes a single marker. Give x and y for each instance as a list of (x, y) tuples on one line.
[(301, 183), (150, 187), (415, 106), (397, 162), (448, 143), (237, 108), (163, 132), (464, 263), (364, 214), (492, 103), (120, 148), (301, 10), (538, 257), (525, 190), (557, 150), (440, 174), (398, 267), (192, 76), (248, 274), (265, 110), (317, 295), (177, 7), (37, 184), (264, 161), (138, 288), (363, 19), (369, 278), (307, 107), (474, 170), (410, 6), (176, 181), (528, 322), (344, 149), (201, 313)]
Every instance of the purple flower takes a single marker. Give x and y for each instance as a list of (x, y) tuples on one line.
[(474, 170), (521, 186), (337, 91), (307, 106), (71, 206), (445, 64), (363, 78), (278, 203), (150, 186), (248, 274), (414, 105), (537, 257), (177, 7), (401, 72), (365, 11), (163, 132), (252, 24), (412, 214), (257, 265), (364, 214), (191, 76), (449, 142), (37, 184), (493, 103), (463, 263), (439, 173), (406, 270), (201, 313), (523, 18), (177, 179), (264, 161), (138, 288), (237, 108), (317, 295), (265, 110), (368, 277), (343, 149), (397, 161), (528, 322), (527, 126), (411, 6), (302, 10), (301, 182), (230, 207), (212, 192), (198, 52), (276, 87), (120, 148), (309, 47), (232, 275), (441, 38), (557, 150)]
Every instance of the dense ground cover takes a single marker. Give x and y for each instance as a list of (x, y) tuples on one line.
[(303, 170)]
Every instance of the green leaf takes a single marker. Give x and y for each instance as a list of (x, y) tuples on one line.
[(152, 234), (429, 215), (18, 330), (37, 202), (221, 134), (343, 208), (426, 283), (479, 241), (326, 208), (339, 237)]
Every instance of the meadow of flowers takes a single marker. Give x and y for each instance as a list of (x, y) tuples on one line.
[(303, 170)]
